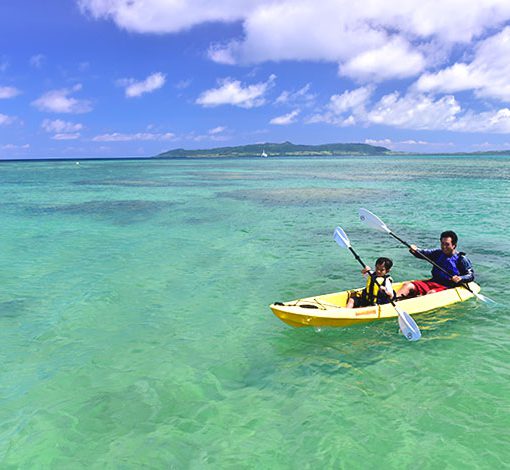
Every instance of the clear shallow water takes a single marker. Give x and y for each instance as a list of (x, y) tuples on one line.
[(135, 326)]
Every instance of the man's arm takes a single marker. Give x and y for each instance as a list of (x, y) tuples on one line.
[(467, 273), (418, 253)]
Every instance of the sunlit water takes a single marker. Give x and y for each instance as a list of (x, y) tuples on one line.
[(135, 330)]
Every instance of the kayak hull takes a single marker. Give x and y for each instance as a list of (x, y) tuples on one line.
[(329, 309)]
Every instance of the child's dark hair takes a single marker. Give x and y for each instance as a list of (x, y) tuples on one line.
[(386, 262), (449, 234)]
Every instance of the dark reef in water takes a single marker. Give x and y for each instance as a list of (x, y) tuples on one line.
[(120, 212)]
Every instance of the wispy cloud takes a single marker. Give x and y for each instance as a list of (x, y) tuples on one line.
[(121, 137), (6, 120), (59, 101), (62, 130), (7, 92), (301, 97), (403, 144), (183, 84), (217, 130), (15, 146), (4, 64), (484, 146), (72, 136), (59, 126), (286, 119), (234, 93), (134, 89), (37, 61)]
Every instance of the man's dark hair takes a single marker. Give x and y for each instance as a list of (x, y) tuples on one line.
[(449, 234), (386, 262)]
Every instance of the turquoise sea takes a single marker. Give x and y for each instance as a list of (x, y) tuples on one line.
[(135, 330)]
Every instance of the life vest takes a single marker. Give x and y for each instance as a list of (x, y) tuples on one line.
[(372, 294)]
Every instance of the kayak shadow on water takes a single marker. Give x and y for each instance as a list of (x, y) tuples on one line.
[(339, 350), (344, 350)]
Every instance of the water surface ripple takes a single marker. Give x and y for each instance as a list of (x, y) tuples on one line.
[(136, 333)]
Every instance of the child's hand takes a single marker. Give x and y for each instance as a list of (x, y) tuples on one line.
[(365, 270), (387, 292)]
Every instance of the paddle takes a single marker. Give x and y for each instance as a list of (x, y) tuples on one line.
[(375, 222), (408, 326)]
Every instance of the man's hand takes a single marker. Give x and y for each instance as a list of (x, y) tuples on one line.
[(456, 279), (413, 248)]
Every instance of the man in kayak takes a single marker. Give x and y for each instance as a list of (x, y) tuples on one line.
[(379, 287), (451, 260)]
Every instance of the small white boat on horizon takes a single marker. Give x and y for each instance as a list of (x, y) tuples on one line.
[(263, 154)]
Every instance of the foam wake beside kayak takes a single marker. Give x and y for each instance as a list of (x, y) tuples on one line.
[(329, 309)]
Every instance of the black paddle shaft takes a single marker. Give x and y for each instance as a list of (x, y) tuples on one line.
[(358, 259)]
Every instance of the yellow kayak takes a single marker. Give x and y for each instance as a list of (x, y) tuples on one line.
[(329, 309)]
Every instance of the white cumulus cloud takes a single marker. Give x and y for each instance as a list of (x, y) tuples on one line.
[(163, 16), (488, 73), (286, 119), (410, 111), (344, 109), (234, 93), (352, 34), (414, 111), (59, 101), (135, 88), (395, 59)]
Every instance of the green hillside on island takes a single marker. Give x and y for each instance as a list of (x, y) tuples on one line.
[(285, 149)]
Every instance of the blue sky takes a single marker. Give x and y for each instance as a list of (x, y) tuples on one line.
[(107, 78)]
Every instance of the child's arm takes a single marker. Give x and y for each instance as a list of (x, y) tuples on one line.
[(388, 288)]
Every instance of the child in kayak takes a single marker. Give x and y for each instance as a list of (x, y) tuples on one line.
[(379, 287)]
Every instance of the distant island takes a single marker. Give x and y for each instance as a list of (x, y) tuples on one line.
[(268, 149), (285, 149)]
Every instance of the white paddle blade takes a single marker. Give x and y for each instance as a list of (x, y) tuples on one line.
[(341, 238), (485, 299), (372, 220), (408, 326)]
